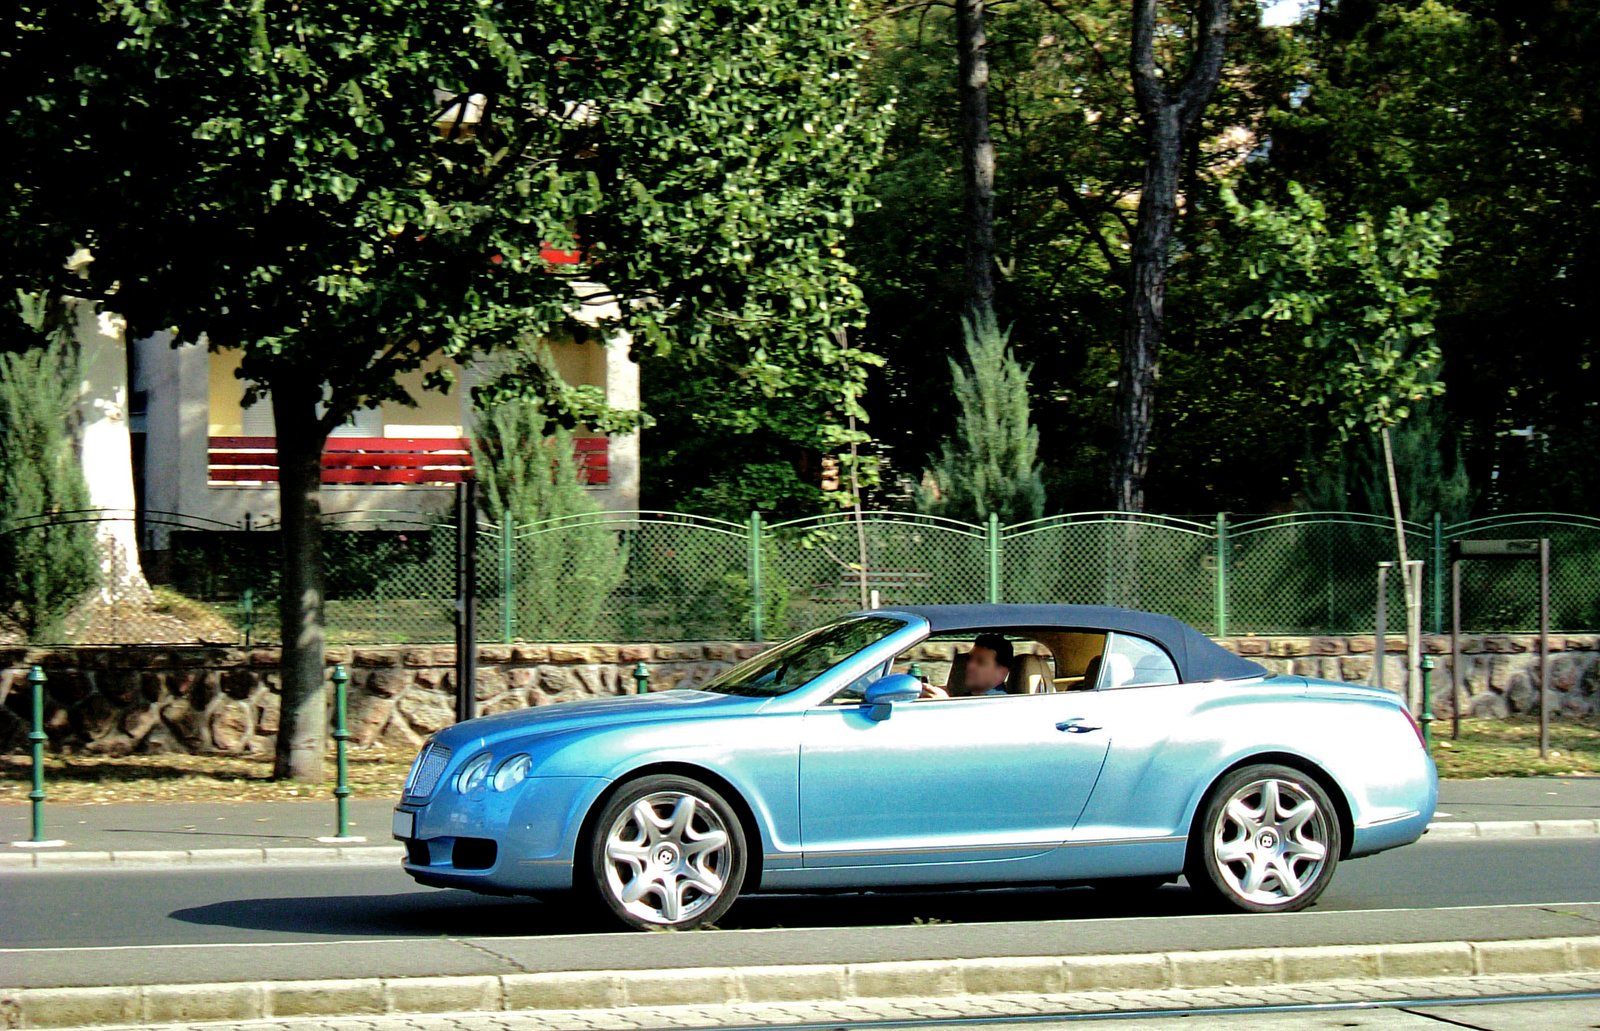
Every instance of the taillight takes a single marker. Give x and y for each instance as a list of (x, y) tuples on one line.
[(1415, 726)]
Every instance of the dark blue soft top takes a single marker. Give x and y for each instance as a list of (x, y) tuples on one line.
[(1198, 657)]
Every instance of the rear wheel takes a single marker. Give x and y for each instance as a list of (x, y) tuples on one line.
[(1267, 841), (668, 852)]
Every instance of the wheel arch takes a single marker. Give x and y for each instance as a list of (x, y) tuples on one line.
[(1325, 780), (754, 840)]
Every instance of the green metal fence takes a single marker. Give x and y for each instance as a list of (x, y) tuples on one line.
[(669, 576)]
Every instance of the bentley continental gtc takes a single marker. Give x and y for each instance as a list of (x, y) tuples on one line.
[(957, 746)]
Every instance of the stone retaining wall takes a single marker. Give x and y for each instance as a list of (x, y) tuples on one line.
[(117, 701)]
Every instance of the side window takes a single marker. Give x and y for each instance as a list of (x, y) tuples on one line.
[(1135, 662)]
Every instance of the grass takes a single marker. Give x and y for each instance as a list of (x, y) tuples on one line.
[(1486, 748), (1510, 748)]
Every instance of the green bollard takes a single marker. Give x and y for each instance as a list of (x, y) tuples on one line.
[(1426, 719), (37, 738), (641, 678), (341, 735)]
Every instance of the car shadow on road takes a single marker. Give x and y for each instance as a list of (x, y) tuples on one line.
[(463, 914)]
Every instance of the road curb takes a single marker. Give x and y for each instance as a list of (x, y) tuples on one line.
[(716, 986), (1512, 829), (348, 854), (213, 857)]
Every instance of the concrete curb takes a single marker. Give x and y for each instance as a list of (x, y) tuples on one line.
[(715, 986), (48, 859), (1513, 829)]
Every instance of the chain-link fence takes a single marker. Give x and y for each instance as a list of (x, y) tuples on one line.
[(666, 576)]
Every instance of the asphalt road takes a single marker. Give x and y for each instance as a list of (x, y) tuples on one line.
[(198, 925)]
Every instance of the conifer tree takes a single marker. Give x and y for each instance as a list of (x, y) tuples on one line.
[(990, 463), (562, 572), (45, 568)]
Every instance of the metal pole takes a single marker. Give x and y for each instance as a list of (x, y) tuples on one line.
[(1438, 573), (1426, 717), (641, 678), (1455, 648), (1544, 647), (1222, 574), (755, 576), (1380, 645), (341, 737), (994, 558), (466, 602), (249, 614), (508, 590), (36, 738)]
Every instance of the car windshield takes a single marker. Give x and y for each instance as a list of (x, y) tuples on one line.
[(798, 662)]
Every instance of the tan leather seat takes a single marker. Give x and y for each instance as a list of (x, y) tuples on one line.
[(1030, 675)]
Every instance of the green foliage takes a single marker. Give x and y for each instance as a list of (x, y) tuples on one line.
[(990, 463), (771, 488), (706, 158), (1356, 300), (44, 572), (564, 567)]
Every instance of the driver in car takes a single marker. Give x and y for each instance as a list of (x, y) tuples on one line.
[(988, 666)]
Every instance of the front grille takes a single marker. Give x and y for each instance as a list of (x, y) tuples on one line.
[(425, 772)]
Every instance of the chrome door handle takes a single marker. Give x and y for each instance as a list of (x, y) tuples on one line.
[(1074, 726)]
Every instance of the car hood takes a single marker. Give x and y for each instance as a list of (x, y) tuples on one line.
[(599, 712)]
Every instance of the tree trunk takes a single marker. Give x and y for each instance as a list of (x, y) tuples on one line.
[(1140, 356), (977, 155), (302, 723), (1167, 116)]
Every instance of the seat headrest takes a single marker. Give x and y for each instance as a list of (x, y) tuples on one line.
[(1030, 674)]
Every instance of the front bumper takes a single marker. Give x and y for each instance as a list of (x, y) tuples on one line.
[(517, 841)]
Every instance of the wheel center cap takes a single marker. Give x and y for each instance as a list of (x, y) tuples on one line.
[(666, 855), (1267, 838)]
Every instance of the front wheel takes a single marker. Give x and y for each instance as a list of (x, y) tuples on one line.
[(668, 853), (1267, 841)]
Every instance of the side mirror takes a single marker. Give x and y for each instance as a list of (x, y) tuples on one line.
[(882, 693)]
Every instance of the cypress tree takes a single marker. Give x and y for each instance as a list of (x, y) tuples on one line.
[(990, 463), (45, 570), (563, 573)]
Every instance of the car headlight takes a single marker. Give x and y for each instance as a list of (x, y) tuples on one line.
[(472, 775), (512, 772)]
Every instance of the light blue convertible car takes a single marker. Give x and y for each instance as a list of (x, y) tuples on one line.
[(957, 746)]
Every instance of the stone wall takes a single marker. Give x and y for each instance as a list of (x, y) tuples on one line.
[(1500, 672), (116, 701)]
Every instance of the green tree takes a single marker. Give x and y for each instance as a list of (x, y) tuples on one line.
[(990, 463), (47, 562), (564, 567), (356, 191), (1359, 303)]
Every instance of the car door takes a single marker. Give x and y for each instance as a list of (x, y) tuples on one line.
[(946, 780)]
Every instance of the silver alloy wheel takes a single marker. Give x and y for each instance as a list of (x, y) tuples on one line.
[(667, 858), (1270, 841)]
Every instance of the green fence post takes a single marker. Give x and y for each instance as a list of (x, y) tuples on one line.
[(508, 590), (994, 558), (641, 678), (249, 614), (1222, 574), (1426, 718), (755, 576), (341, 735), (1438, 573)]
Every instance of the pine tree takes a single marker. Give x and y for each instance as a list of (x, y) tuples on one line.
[(563, 572), (989, 463), (45, 570)]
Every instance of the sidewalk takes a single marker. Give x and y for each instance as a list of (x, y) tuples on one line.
[(239, 832)]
